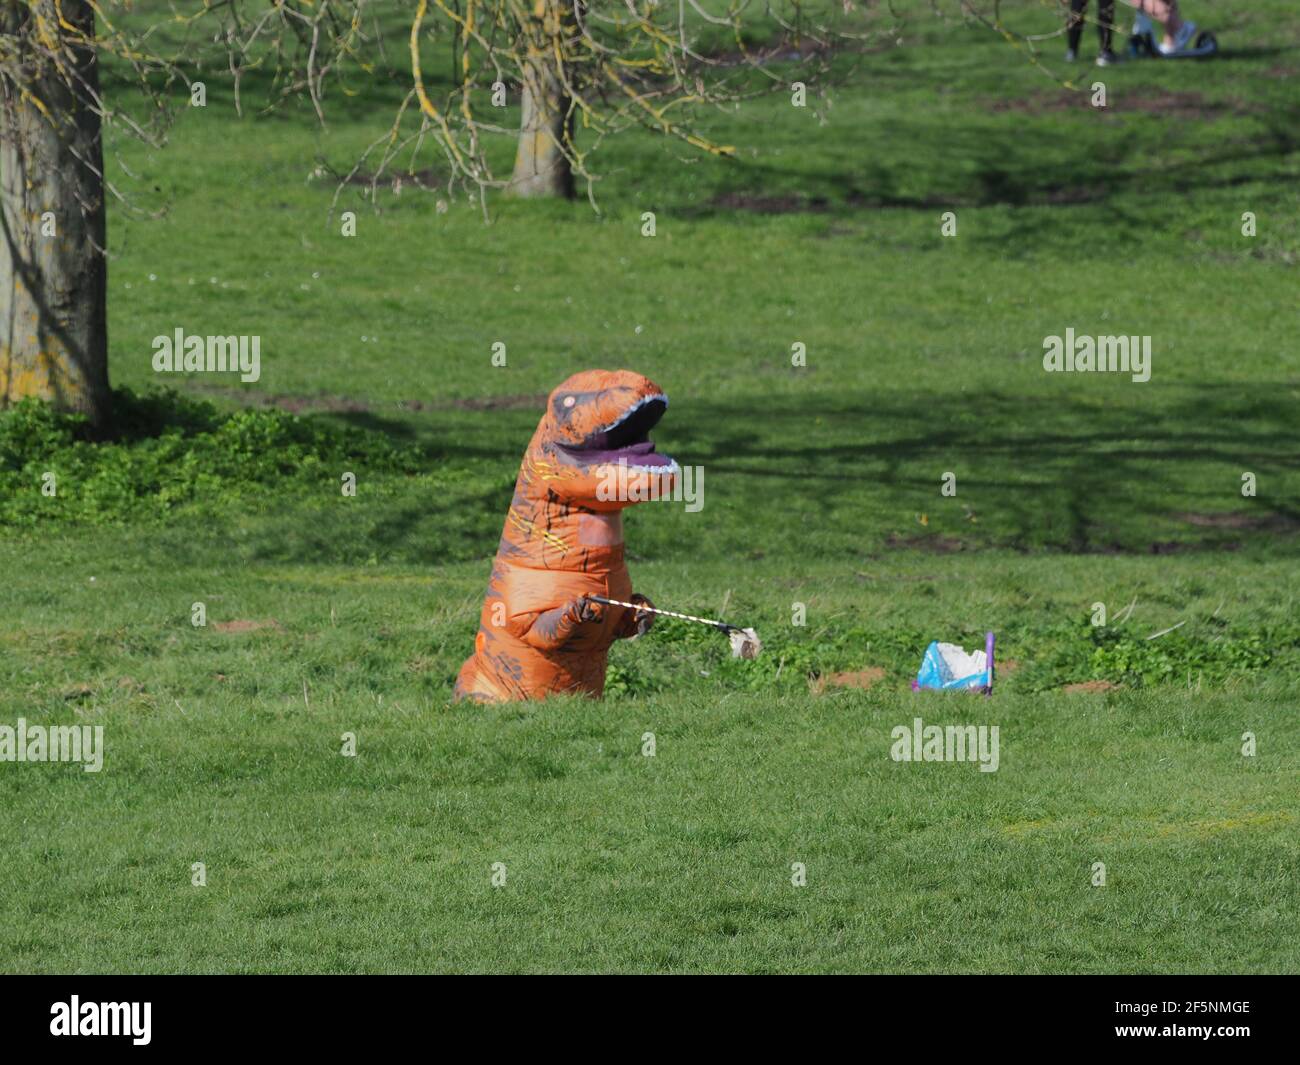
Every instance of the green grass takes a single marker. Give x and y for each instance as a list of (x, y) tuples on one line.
[(822, 487), (224, 748)]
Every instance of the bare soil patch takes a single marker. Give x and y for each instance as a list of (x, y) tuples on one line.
[(246, 625), (1091, 686), (861, 679), (1167, 103), (941, 545)]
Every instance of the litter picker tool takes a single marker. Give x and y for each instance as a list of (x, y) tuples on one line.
[(744, 642)]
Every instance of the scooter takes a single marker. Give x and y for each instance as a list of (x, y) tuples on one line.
[(1142, 43)]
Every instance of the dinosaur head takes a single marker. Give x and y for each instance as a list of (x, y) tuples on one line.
[(595, 422)]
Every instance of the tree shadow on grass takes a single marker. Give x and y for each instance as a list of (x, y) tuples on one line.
[(1073, 471), (986, 162), (1065, 472)]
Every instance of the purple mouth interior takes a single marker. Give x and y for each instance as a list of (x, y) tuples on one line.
[(639, 454), (628, 441)]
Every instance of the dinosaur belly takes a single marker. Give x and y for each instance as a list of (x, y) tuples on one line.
[(506, 668)]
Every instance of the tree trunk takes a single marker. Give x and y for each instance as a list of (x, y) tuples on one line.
[(53, 271), (541, 167)]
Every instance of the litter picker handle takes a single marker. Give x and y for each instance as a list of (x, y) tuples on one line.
[(666, 613)]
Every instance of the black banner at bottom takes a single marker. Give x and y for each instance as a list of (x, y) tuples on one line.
[(344, 1013)]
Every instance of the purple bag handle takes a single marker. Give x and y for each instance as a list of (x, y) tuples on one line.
[(988, 656)]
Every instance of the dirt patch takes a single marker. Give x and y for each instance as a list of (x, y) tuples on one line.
[(244, 625), (941, 545), (526, 401), (1064, 195), (1005, 667), (861, 679), (785, 52), (1178, 547), (1041, 104), (1170, 104), (299, 403), (523, 401), (862, 201), (855, 199), (294, 403), (761, 57), (791, 203), (1156, 547), (1226, 520), (1236, 519), (1091, 686), (1166, 103)]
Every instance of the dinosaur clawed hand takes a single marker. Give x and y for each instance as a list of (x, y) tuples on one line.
[(583, 610), (638, 622)]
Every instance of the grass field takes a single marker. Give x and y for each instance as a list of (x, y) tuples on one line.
[(330, 614)]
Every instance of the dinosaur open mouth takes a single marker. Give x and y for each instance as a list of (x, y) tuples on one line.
[(627, 439)]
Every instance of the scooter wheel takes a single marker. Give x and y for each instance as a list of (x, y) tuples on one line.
[(1206, 43)]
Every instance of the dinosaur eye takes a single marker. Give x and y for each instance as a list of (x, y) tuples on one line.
[(569, 401)]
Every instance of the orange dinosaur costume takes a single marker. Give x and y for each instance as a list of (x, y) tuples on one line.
[(538, 634)]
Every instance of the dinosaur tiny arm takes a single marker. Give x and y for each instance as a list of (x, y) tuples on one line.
[(549, 630), (635, 622)]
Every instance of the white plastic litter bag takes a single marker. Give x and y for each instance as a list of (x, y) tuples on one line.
[(947, 667)]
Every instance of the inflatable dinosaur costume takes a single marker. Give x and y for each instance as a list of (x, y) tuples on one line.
[(538, 634)]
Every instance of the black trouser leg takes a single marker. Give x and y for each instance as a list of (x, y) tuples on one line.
[(1075, 25), (1105, 22)]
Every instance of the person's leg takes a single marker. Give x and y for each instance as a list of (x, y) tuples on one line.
[(1075, 27), (1106, 24)]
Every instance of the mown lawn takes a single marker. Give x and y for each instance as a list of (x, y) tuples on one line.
[(822, 488)]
